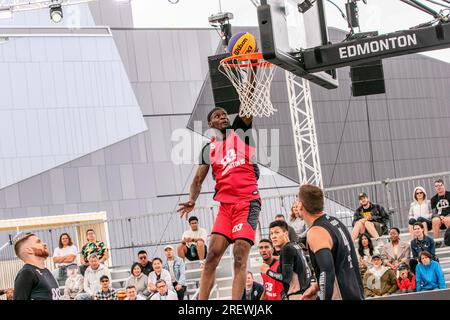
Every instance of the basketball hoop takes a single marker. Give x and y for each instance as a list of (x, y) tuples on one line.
[(252, 76)]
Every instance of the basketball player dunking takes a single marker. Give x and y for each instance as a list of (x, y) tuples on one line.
[(231, 156)]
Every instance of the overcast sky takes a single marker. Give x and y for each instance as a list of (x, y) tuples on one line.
[(378, 15)]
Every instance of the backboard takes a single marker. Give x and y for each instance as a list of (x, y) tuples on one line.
[(285, 32)]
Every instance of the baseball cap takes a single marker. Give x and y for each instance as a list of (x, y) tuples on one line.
[(376, 255), (403, 266), (362, 195), (447, 237), (168, 247)]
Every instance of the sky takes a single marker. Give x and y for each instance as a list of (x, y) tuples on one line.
[(378, 15)]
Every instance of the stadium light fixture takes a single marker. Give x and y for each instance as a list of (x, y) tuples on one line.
[(56, 13)]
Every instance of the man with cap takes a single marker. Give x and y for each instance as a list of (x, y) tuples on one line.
[(369, 217), (379, 281), (177, 270)]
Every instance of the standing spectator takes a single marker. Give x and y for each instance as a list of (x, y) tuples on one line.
[(132, 294), (253, 290), (177, 270), (371, 217), (106, 292), (164, 293), (379, 281), (420, 243), (74, 284), (34, 281), (144, 262), (272, 287), (92, 277), (158, 273), (92, 246), (365, 253), (291, 231), (420, 210), (429, 275), (406, 281), (395, 252), (64, 255), (193, 243), (138, 280), (9, 293), (440, 205)]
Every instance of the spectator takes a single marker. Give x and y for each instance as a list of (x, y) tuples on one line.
[(106, 292), (291, 231), (9, 292), (371, 217), (272, 287), (420, 211), (92, 277), (163, 292), (429, 275), (395, 252), (420, 243), (379, 281), (406, 281), (158, 273), (253, 290), (63, 256), (193, 243), (74, 284), (144, 262), (138, 280), (34, 281), (440, 206), (92, 246), (177, 271), (365, 253), (132, 294)]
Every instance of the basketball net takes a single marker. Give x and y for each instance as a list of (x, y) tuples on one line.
[(251, 76)]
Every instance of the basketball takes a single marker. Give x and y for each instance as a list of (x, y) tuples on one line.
[(242, 43)]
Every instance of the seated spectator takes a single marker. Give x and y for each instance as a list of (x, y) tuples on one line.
[(106, 292), (292, 234), (193, 243), (157, 274), (379, 281), (253, 290), (132, 294), (420, 211), (370, 218), (440, 206), (9, 292), (365, 253), (429, 275), (395, 252), (163, 292), (74, 284), (64, 255), (420, 243), (406, 281), (138, 280), (92, 278), (144, 262), (177, 270), (92, 246)]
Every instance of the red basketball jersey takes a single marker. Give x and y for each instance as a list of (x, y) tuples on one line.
[(273, 287), (233, 170)]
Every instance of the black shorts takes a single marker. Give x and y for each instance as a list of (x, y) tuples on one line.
[(421, 219), (192, 254)]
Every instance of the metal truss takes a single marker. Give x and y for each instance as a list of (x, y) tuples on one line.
[(22, 5), (304, 130)]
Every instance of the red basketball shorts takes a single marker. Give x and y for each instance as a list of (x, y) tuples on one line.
[(238, 220)]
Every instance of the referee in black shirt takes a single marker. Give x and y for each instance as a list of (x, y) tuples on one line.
[(34, 281)]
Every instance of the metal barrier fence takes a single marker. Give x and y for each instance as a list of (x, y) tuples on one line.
[(151, 232)]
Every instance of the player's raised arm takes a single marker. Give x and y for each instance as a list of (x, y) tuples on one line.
[(196, 186)]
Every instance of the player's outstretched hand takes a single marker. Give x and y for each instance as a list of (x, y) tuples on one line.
[(185, 208), (311, 292)]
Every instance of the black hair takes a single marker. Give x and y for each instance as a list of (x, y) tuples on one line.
[(212, 111), (193, 218), (134, 265), (267, 240), (280, 215), (279, 223), (157, 259), (360, 246), (142, 252), (396, 229), (104, 277)]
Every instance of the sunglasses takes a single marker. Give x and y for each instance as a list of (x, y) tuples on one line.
[(419, 193), (105, 280), (159, 287)]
